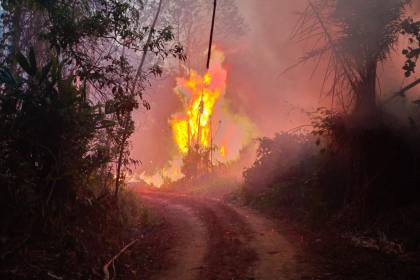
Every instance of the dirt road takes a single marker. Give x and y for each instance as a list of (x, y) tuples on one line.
[(214, 240)]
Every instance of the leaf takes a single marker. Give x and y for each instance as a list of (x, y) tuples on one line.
[(24, 64), (45, 71), (7, 77), (55, 71), (146, 105), (32, 60), (110, 107), (106, 124)]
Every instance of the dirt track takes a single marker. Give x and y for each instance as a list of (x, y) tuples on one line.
[(214, 240)]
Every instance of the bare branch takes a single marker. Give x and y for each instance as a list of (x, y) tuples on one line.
[(404, 90), (333, 47)]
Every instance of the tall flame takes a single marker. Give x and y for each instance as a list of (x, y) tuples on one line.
[(199, 95), (205, 121)]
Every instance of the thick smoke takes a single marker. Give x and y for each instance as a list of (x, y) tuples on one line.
[(256, 85)]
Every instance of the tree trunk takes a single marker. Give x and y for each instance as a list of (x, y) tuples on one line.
[(146, 47), (366, 95), (118, 176), (124, 138), (127, 120)]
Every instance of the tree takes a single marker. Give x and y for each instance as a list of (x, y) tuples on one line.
[(68, 88), (411, 29), (46, 127), (354, 36), (127, 124)]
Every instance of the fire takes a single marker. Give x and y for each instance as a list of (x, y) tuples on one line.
[(222, 151), (199, 94), (205, 124)]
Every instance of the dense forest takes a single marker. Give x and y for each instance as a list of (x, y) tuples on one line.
[(69, 87), (341, 192)]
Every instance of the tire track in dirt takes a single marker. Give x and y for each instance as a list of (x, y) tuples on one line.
[(229, 254), (186, 257), (216, 241), (277, 258)]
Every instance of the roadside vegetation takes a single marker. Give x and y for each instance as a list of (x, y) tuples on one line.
[(69, 82), (349, 185), (73, 72)]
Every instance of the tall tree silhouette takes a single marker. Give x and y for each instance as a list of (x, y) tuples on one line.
[(354, 36)]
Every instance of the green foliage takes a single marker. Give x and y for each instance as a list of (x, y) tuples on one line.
[(411, 28), (276, 157), (356, 174), (46, 128), (363, 39), (73, 29), (285, 178), (132, 211), (67, 93)]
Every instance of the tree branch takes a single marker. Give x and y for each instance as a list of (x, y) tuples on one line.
[(404, 90), (332, 45), (112, 260), (146, 46)]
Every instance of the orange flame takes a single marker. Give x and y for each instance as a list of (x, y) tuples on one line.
[(199, 95), (205, 120), (223, 151)]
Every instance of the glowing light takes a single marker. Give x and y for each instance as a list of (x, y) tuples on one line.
[(205, 119), (199, 95), (207, 79), (222, 151)]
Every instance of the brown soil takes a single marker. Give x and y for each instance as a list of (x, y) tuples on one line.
[(214, 240)]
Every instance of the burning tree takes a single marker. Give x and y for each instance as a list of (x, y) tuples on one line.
[(193, 129)]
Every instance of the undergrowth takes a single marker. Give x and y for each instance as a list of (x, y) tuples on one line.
[(347, 175), (92, 233)]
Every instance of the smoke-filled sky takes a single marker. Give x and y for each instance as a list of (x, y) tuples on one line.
[(256, 87)]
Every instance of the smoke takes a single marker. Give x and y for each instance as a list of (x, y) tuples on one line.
[(274, 101), (256, 85)]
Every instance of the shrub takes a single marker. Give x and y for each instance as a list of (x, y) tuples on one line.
[(347, 170)]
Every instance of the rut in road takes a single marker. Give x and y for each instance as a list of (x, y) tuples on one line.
[(217, 241)]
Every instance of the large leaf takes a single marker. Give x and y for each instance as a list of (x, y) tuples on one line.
[(106, 124), (7, 77), (45, 71), (32, 60), (110, 107), (21, 59)]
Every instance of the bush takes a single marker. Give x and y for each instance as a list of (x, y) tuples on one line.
[(46, 158), (358, 173)]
